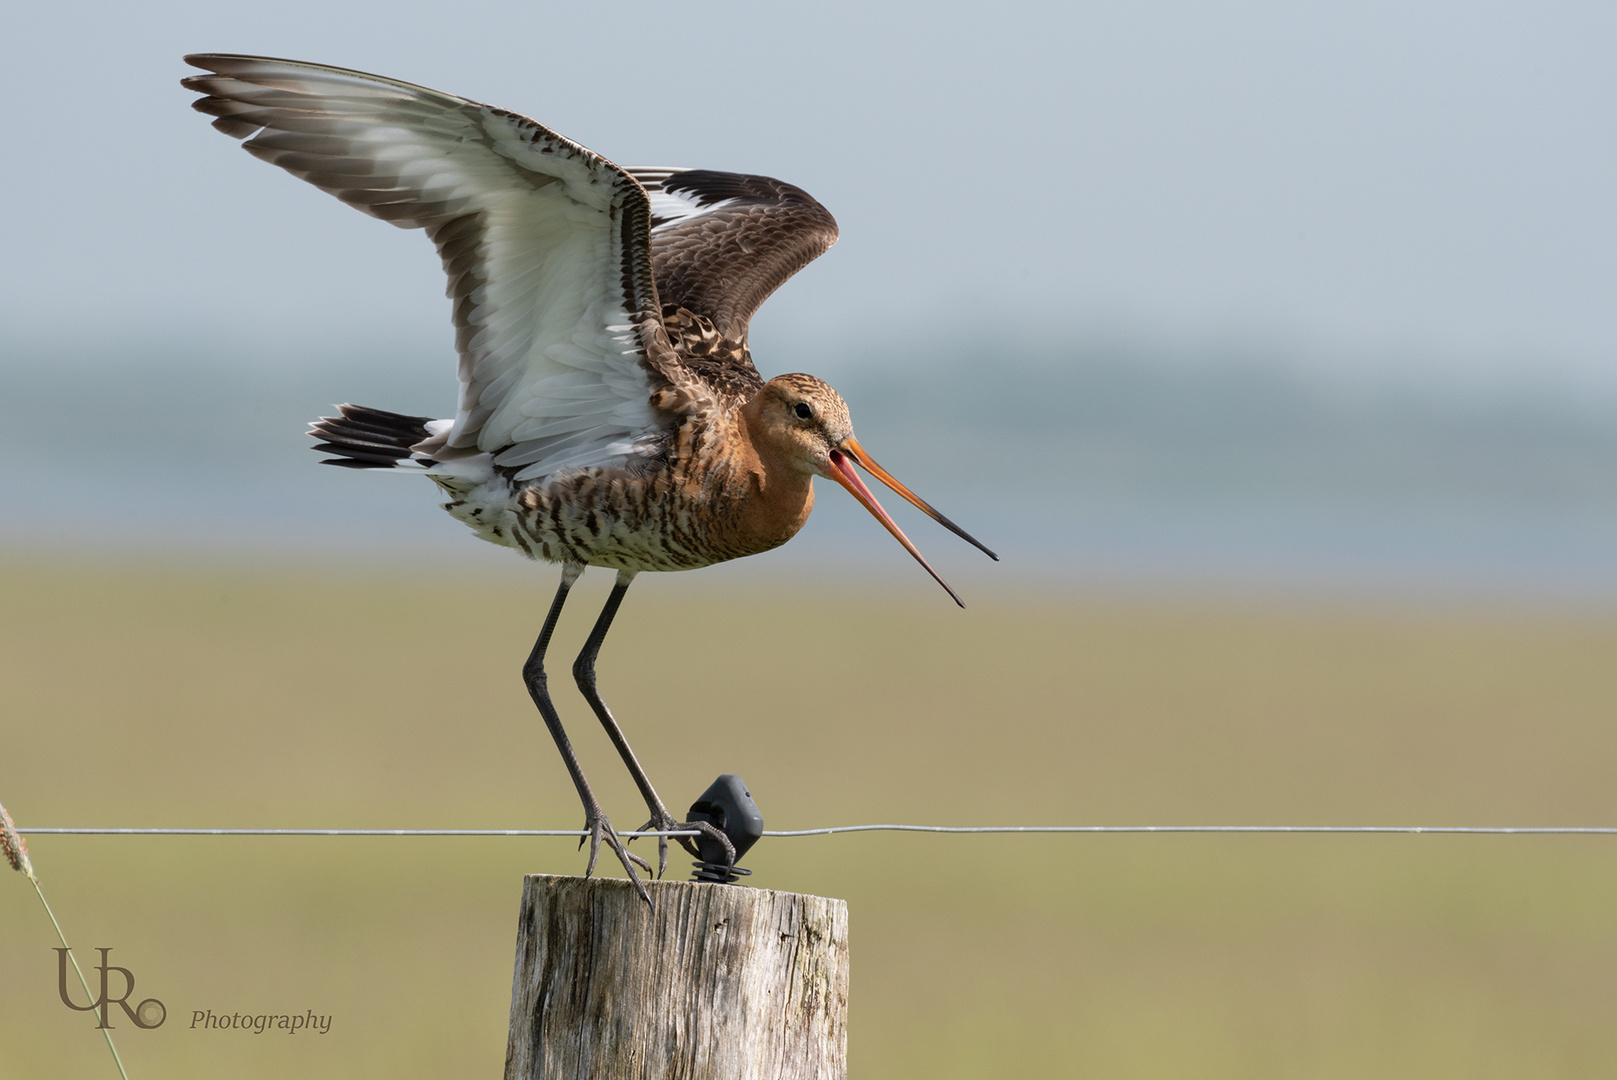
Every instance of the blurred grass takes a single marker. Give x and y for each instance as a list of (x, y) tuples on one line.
[(199, 695)]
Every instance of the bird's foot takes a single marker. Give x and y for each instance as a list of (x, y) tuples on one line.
[(598, 828), (663, 822)]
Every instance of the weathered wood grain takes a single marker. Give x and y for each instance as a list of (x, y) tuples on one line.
[(713, 982)]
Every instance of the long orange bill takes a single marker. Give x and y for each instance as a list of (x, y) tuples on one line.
[(843, 473)]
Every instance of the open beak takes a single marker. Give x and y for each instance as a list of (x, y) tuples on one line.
[(842, 472)]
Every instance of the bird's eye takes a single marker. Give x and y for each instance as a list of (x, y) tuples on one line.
[(804, 411)]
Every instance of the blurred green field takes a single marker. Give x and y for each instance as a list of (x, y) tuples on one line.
[(197, 695)]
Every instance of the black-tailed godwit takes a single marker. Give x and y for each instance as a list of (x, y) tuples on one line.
[(609, 412)]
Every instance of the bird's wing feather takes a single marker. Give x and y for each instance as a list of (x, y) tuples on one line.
[(546, 246), (721, 242)]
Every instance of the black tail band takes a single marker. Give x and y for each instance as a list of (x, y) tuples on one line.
[(364, 438)]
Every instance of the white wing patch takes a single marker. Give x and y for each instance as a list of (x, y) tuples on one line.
[(671, 208)]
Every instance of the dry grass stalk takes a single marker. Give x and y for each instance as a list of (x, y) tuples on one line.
[(16, 852)]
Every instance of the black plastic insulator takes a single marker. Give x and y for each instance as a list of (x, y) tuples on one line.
[(727, 805)]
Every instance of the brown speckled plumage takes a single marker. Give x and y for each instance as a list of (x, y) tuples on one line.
[(714, 494)]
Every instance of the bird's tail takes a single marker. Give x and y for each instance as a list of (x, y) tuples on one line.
[(364, 438)]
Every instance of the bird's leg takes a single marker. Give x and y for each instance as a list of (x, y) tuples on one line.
[(584, 672), (533, 673)]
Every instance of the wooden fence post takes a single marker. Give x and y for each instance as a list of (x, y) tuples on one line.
[(713, 982)]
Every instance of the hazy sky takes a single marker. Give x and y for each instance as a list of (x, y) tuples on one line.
[(1357, 182)]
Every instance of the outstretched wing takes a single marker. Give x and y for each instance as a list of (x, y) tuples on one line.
[(721, 242), (546, 246)]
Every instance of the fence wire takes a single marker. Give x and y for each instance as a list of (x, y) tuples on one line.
[(832, 830)]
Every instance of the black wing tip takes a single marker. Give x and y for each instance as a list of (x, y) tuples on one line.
[(238, 65), (217, 62)]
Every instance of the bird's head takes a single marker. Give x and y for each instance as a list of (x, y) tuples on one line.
[(802, 420), (804, 423)]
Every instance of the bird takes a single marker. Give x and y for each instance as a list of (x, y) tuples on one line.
[(609, 411)]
